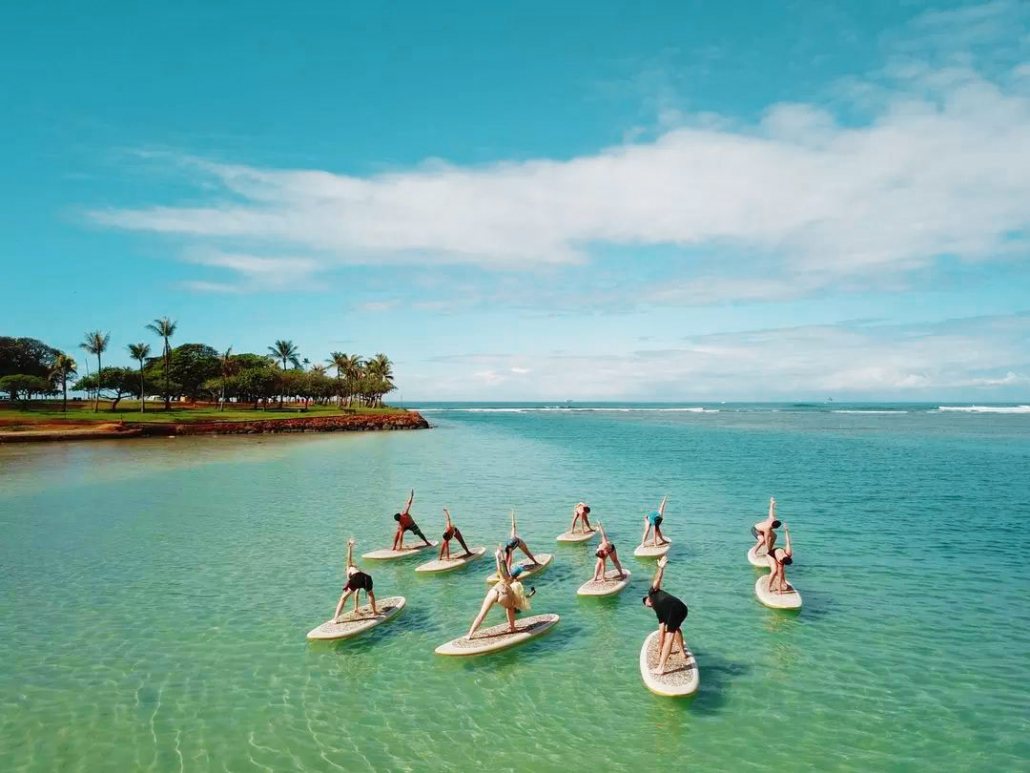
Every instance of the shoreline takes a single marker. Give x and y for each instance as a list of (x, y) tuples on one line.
[(78, 429)]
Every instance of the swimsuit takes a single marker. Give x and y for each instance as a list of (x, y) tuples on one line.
[(654, 518), (448, 534), (605, 552), (668, 609), (359, 581)]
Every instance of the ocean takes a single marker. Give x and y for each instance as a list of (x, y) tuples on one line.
[(156, 594)]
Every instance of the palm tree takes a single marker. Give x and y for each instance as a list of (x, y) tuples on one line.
[(380, 375), (286, 351), (96, 343), (140, 352), (319, 369), (165, 328), (63, 366), (228, 369)]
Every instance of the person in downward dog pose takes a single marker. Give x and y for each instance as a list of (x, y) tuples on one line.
[(605, 551), (451, 532), (777, 559), (406, 523), (508, 592), (581, 512), (357, 581), (671, 612), (513, 543), (653, 520), (764, 531)]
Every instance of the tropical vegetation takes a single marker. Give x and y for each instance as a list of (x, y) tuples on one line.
[(195, 372)]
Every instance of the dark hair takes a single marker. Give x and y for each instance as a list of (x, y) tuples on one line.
[(396, 516), (787, 561), (776, 524), (586, 508), (644, 600)]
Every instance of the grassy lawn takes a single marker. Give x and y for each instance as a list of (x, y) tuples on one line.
[(129, 411)]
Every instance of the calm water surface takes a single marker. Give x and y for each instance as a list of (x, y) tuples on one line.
[(155, 595)]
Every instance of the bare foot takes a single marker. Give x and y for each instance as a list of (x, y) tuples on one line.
[(657, 672)]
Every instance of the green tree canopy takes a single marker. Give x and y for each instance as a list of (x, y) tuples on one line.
[(26, 384), (26, 357)]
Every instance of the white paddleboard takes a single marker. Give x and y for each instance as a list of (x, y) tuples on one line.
[(681, 677), (359, 621), (652, 551), (450, 564), (789, 600), (756, 557), (609, 586), (498, 637), (388, 554), (544, 558), (576, 536)]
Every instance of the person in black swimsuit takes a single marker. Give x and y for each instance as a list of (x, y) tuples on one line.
[(671, 612), (778, 558), (451, 532), (515, 542), (357, 581), (605, 551)]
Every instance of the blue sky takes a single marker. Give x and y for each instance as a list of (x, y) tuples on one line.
[(669, 201)]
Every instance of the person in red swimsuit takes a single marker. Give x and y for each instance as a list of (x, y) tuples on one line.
[(605, 551), (406, 523), (450, 533)]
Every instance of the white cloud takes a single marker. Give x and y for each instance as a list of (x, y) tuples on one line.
[(982, 357), (805, 202)]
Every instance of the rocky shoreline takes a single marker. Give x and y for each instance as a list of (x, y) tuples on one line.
[(55, 431)]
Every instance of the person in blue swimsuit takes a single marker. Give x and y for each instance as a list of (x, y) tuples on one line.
[(515, 542), (653, 521)]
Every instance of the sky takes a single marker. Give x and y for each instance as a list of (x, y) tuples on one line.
[(759, 200)]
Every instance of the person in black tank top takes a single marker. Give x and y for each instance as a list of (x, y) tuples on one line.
[(450, 532), (671, 612), (357, 581)]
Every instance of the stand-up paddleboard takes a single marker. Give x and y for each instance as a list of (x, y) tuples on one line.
[(358, 621), (498, 637), (438, 565), (681, 677), (789, 600), (388, 554), (652, 551), (543, 559), (576, 536), (756, 557), (609, 586)]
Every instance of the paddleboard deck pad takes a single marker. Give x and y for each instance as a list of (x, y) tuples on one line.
[(609, 586), (450, 564), (652, 551), (498, 637), (681, 677), (543, 559), (359, 621), (789, 600), (576, 536), (388, 554), (756, 557)]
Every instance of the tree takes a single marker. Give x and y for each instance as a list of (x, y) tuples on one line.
[(379, 375), (62, 367), (165, 328), (191, 365), (25, 382), (285, 351), (140, 352), (96, 343), (26, 356), (124, 382), (348, 373), (229, 369)]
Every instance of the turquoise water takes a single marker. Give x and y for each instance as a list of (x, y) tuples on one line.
[(155, 595)]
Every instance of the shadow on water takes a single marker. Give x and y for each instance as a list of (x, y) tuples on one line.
[(717, 676)]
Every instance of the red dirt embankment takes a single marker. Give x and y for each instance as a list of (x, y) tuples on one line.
[(72, 430)]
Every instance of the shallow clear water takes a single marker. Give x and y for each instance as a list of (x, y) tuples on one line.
[(155, 595)]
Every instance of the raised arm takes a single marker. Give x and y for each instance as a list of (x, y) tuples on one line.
[(661, 507), (600, 528), (502, 565), (447, 515), (407, 505), (350, 552), (772, 508), (513, 530), (786, 548), (656, 583)]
